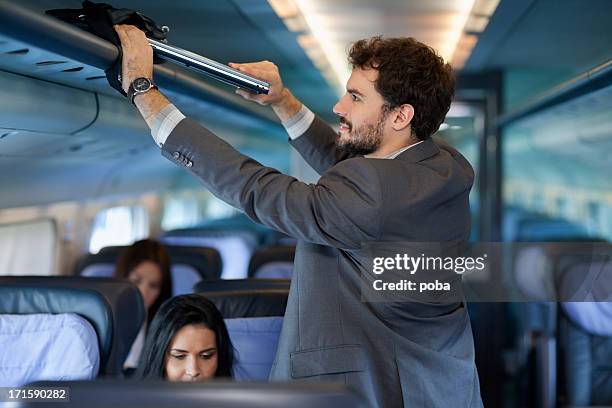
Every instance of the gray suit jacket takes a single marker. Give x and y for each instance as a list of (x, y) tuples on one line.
[(395, 354)]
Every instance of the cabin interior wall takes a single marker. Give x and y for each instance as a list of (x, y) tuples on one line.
[(75, 221)]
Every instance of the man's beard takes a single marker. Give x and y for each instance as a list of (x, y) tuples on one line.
[(365, 139)]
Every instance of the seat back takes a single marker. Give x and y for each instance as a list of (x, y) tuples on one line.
[(124, 302), (36, 347), (235, 248), (273, 262), (247, 297), (189, 265), (253, 310), (255, 341), (585, 333), (218, 394), (40, 324)]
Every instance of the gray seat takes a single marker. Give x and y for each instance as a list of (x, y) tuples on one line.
[(123, 300), (585, 334), (253, 310), (189, 265), (237, 298), (28, 306), (273, 262)]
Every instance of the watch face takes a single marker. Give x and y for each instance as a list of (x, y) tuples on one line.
[(142, 84)]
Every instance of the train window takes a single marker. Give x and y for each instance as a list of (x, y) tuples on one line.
[(118, 226), (20, 241), (180, 212), (217, 209), (556, 168), (463, 128)]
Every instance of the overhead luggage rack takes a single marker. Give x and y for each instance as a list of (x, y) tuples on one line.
[(39, 31)]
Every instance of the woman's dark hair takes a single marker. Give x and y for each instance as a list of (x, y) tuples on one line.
[(172, 316), (409, 72), (147, 250)]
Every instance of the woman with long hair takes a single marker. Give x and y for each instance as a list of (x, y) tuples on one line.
[(187, 341), (147, 265)]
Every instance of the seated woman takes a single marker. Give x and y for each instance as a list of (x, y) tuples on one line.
[(187, 341), (146, 264)]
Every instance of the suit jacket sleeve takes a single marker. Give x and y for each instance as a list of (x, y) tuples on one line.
[(318, 146), (342, 209)]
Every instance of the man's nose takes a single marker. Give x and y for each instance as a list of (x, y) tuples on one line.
[(339, 109)]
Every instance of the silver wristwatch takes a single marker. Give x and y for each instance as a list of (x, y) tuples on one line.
[(140, 86)]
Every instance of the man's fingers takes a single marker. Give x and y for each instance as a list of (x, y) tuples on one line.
[(121, 33), (245, 94)]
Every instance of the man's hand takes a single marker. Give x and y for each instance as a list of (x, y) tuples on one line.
[(266, 71), (282, 101), (137, 55)]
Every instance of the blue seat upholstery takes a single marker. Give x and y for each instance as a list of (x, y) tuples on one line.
[(37, 347), (273, 262), (253, 310), (235, 249), (99, 270), (255, 342), (585, 333), (189, 265), (116, 311), (27, 296), (275, 270)]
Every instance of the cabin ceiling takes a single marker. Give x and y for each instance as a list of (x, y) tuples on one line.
[(572, 35), (80, 164)]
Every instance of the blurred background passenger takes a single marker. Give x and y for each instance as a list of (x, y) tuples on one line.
[(146, 264), (187, 341)]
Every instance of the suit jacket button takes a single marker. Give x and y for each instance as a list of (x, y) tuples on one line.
[(176, 155)]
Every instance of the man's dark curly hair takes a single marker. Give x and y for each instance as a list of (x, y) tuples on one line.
[(409, 72)]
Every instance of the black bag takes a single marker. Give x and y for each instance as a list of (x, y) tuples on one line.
[(99, 18)]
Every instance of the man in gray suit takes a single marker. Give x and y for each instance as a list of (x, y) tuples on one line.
[(383, 179)]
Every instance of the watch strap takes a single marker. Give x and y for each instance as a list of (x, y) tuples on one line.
[(132, 92)]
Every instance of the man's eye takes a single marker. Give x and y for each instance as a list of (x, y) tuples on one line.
[(354, 97)]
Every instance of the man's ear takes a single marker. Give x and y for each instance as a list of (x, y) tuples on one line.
[(402, 117)]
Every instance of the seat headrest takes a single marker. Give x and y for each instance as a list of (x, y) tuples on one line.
[(37, 347), (247, 297), (126, 309), (275, 270), (233, 285), (205, 261), (235, 250), (19, 296), (278, 253), (533, 273), (588, 288)]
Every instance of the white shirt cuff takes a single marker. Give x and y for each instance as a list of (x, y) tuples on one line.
[(164, 123), (299, 123)]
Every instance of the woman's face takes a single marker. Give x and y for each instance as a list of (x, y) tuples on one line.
[(147, 276), (192, 354)]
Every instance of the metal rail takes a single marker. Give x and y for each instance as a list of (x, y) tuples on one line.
[(53, 35), (587, 82)]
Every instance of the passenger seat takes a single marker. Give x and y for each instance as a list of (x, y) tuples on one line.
[(116, 329), (273, 262), (253, 310), (189, 265), (52, 333), (585, 334)]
